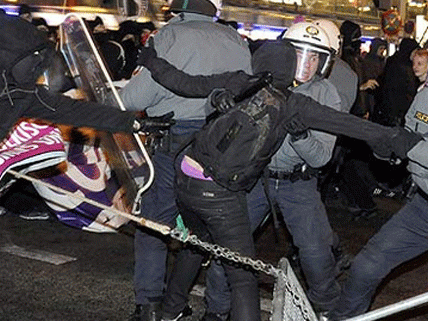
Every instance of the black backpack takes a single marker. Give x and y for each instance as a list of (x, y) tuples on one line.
[(235, 147)]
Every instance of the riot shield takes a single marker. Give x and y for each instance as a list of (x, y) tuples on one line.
[(126, 154)]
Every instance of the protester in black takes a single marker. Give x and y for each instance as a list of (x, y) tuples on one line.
[(25, 53)]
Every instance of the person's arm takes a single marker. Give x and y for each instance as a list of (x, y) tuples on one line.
[(64, 110), (191, 86), (383, 140)]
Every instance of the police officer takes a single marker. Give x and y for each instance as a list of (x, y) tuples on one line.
[(194, 42), (293, 169), (403, 237)]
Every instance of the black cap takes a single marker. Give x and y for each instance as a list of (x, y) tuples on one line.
[(195, 6)]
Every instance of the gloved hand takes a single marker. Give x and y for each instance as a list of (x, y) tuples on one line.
[(156, 125), (296, 127), (222, 100), (146, 54), (254, 84), (398, 143)]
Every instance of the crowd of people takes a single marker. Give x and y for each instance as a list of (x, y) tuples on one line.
[(209, 64)]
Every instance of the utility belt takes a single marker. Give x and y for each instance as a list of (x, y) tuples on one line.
[(300, 171), (179, 136), (168, 143)]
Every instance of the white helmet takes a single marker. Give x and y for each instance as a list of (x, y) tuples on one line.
[(333, 33), (312, 45), (207, 7), (217, 3)]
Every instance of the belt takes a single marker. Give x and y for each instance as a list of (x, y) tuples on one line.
[(280, 175), (301, 172)]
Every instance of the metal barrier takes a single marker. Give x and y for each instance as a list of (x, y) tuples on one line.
[(392, 309)]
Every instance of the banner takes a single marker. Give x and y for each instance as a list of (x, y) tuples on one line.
[(89, 175), (30, 147)]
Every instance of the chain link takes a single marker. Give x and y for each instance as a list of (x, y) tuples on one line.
[(257, 265), (226, 253)]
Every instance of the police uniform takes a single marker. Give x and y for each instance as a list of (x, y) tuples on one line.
[(293, 186), (196, 44), (403, 237)]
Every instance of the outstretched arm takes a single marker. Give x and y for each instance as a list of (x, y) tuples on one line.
[(64, 110), (186, 85), (383, 140)]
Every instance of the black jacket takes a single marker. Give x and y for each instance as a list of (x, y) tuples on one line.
[(24, 52), (42, 104)]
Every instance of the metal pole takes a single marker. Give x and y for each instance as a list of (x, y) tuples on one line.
[(392, 309), (161, 228)]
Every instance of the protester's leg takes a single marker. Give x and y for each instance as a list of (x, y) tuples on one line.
[(307, 222), (150, 248), (360, 183), (233, 232), (183, 274), (402, 238), (188, 260), (217, 293), (225, 216)]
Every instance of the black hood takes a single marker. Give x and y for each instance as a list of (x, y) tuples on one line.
[(19, 39), (406, 47), (351, 33), (279, 58)]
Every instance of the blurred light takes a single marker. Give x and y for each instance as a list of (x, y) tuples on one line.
[(259, 32)]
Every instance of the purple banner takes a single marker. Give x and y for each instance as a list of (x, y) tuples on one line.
[(31, 147)]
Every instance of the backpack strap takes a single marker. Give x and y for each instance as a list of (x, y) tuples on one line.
[(272, 205)]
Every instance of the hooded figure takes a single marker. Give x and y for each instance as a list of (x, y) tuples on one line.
[(374, 61), (25, 52), (399, 85)]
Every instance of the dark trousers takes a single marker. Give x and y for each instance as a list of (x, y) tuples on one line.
[(220, 216)]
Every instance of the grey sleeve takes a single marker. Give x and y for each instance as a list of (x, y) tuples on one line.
[(141, 92)]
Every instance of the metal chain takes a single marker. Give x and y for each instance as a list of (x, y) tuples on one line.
[(257, 265)]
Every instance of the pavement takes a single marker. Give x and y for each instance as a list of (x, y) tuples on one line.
[(51, 272)]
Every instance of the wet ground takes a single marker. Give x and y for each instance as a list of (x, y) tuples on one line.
[(52, 272)]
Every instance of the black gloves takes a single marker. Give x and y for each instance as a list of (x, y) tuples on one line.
[(296, 128), (156, 125), (397, 144), (222, 100), (146, 54)]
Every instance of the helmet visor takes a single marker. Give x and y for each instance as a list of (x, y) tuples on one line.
[(307, 64), (310, 62)]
